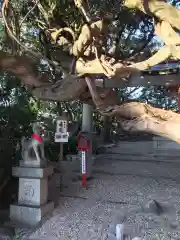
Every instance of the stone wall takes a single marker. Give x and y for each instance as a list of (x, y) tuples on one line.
[(159, 148)]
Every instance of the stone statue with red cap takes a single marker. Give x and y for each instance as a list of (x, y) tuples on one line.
[(33, 148)]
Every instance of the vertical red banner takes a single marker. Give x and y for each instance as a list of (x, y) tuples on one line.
[(83, 168), (83, 147)]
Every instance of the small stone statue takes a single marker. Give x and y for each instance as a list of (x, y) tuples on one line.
[(33, 146)]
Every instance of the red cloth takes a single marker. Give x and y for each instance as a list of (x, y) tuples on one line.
[(36, 137)]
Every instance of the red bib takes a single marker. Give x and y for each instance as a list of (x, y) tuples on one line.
[(36, 137)]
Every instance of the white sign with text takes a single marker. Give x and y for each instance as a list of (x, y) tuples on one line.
[(61, 134)]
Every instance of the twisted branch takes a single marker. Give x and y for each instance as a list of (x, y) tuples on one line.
[(168, 17)]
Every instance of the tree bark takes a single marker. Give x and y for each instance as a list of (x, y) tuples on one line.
[(168, 17), (158, 8), (132, 116), (136, 116)]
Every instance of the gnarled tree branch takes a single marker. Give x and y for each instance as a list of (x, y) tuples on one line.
[(168, 17), (135, 116), (158, 8)]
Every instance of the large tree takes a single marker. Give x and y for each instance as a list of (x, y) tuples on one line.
[(79, 40)]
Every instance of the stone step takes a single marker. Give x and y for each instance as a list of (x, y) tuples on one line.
[(126, 144), (129, 157), (158, 138), (146, 147), (155, 153), (144, 169), (131, 151)]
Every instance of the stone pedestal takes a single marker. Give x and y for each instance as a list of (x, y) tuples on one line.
[(32, 202)]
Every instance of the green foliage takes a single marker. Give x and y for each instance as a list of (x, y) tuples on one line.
[(15, 116), (157, 97)]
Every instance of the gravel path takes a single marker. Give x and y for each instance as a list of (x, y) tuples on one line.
[(118, 189)]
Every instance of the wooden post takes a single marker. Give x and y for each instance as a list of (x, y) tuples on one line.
[(61, 153), (61, 166), (61, 134)]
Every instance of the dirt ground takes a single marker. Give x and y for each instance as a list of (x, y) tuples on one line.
[(120, 191)]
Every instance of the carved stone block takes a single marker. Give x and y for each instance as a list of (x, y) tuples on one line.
[(32, 172), (32, 195), (33, 191), (29, 215)]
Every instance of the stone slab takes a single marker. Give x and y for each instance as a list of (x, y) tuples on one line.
[(127, 144), (33, 191), (145, 147), (167, 153), (138, 146), (131, 158), (156, 153), (148, 157), (32, 163), (137, 150), (32, 172), (29, 215)]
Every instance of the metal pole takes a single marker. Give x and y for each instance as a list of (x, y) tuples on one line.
[(87, 126)]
